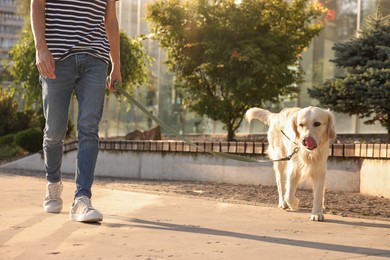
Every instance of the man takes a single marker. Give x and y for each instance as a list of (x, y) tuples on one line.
[(74, 41)]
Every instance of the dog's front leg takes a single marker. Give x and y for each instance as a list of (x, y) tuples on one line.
[(318, 201), (279, 168), (291, 187)]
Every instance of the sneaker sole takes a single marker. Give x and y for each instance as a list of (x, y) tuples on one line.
[(84, 220), (52, 210)]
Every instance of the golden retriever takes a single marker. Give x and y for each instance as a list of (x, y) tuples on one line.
[(309, 130)]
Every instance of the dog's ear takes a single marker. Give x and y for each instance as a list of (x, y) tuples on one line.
[(294, 124), (331, 125)]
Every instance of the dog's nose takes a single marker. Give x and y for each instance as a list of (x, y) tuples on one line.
[(310, 143)]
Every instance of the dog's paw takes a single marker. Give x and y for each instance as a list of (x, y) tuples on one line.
[(283, 204), (293, 204), (317, 217)]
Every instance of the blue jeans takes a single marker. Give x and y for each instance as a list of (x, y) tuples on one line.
[(86, 75)]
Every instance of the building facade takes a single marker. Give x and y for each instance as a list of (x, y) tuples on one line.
[(10, 25), (164, 102), (350, 17)]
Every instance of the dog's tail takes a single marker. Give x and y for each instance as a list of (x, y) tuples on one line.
[(260, 114)]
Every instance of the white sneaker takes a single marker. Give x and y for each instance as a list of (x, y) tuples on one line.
[(83, 211), (53, 201)]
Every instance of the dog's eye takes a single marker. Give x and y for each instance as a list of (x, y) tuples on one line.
[(301, 125), (317, 124)]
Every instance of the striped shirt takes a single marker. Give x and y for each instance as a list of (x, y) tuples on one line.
[(76, 26)]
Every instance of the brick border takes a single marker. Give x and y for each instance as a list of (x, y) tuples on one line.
[(369, 151)]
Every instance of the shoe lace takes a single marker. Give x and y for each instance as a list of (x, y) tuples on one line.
[(54, 191), (86, 202)]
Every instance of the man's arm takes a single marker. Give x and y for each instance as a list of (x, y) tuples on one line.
[(44, 58), (112, 30)]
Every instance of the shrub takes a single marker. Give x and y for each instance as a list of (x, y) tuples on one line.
[(30, 139), (9, 151), (71, 129), (7, 139), (26, 119), (14, 120), (8, 108)]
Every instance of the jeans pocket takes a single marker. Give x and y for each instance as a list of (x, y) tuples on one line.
[(40, 80)]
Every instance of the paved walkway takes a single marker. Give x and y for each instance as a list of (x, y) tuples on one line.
[(148, 226)]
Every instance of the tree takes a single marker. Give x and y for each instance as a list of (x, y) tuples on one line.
[(364, 90), (23, 71), (228, 57)]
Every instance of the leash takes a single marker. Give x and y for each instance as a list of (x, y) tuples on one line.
[(172, 131), (288, 137)]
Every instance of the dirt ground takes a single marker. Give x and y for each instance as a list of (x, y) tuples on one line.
[(337, 203)]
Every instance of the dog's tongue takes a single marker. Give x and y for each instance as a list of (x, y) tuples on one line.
[(310, 143)]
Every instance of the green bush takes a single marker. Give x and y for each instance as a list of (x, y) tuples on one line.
[(30, 140), (26, 119), (71, 129), (8, 110), (12, 120), (9, 151), (7, 139)]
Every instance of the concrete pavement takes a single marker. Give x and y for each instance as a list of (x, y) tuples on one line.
[(149, 226)]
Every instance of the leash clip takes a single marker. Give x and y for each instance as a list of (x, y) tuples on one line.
[(117, 85), (296, 149)]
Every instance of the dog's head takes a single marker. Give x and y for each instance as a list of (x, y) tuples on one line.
[(314, 126)]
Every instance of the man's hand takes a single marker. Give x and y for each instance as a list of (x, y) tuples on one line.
[(45, 63), (110, 84)]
